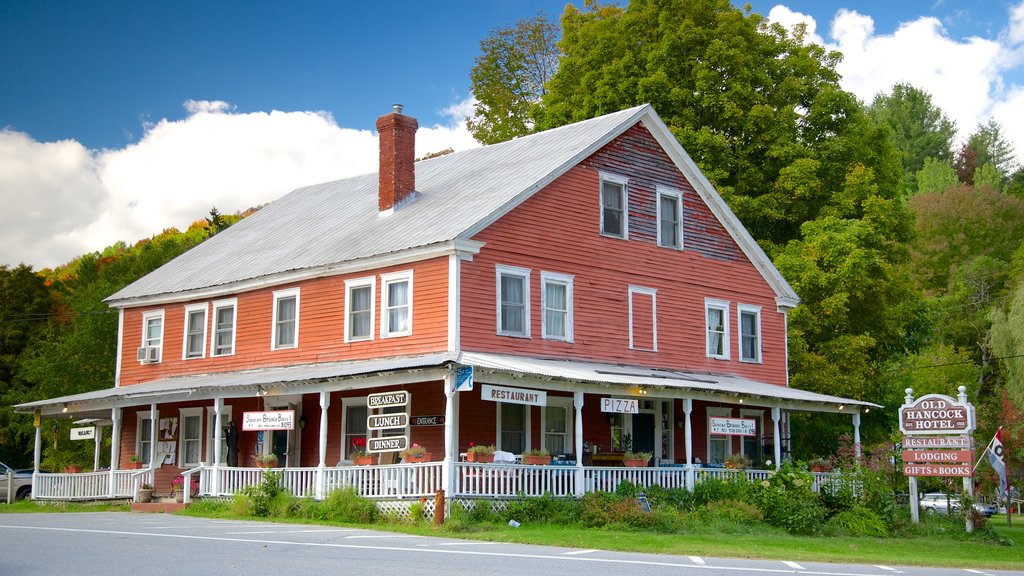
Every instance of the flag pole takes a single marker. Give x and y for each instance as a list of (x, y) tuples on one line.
[(983, 453)]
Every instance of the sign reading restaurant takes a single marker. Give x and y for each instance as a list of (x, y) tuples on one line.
[(513, 395)]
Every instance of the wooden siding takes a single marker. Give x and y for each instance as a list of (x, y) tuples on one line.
[(321, 327), (557, 230)]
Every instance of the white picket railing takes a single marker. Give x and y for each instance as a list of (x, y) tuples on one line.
[(89, 485), (386, 481), (508, 480), (607, 479)]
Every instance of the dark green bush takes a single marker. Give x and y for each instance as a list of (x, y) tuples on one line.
[(797, 511), (857, 521), (543, 509), (263, 497), (346, 505)]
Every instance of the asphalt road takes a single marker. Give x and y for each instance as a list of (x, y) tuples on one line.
[(115, 544)]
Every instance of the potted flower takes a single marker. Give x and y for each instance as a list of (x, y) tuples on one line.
[(480, 453), (538, 456), (359, 455), (266, 460), (415, 453), (146, 493), (636, 459), (737, 461), (178, 486), (820, 465), (134, 462)]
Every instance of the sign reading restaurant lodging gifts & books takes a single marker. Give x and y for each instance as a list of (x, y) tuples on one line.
[(937, 439)]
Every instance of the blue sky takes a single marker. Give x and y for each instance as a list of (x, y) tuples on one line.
[(118, 118)]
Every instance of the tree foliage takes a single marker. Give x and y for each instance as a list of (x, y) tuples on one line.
[(936, 176)]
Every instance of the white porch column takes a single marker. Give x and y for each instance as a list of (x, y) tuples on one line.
[(154, 427), (856, 434), (450, 453), (115, 448), (321, 467), (577, 402), (218, 412), (687, 412), (96, 447), (777, 431), (36, 453)]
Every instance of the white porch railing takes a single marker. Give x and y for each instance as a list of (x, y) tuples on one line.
[(387, 481), (300, 482), (508, 480), (89, 485), (607, 479)]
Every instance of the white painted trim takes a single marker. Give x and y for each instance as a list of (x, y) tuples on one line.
[(564, 403), (189, 413), (346, 403), (624, 183), (120, 347), (524, 273), (653, 293), (676, 195), (146, 317), (217, 305), (464, 247), (385, 280), (278, 296), (565, 280), (351, 284), (742, 309), (527, 422), (140, 417), (723, 305), (203, 307), (210, 437), (454, 304), (716, 411)]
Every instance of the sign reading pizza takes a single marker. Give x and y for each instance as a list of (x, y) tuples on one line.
[(936, 414)]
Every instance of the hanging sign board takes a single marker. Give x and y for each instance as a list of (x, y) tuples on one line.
[(951, 470), (513, 395), (83, 433), (464, 379), (955, 442), (387, 399), (428, 420), (936, 414), (734, 426), (386, 421), (272, 420), (620, 405), (387, 444), (939, 456)]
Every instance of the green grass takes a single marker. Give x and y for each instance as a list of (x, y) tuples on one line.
[(27, 506)]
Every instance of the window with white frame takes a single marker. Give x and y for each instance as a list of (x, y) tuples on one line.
[(670, 218), (153, 332), (355, 432), (750, 446), (719, 445), (750, 332), (224, 315), (557, 425), (716, 313), (191, 437), (396, 309), (286, 319), (211, 428), (359, 303), (614, 206), (195, 331), (144, 437), (513, 421), (643, 318), (513, 287), (556, 303)]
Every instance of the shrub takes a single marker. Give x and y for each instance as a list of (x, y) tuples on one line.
[(796, 511), (346, 505), (725, 517), (483, 513), (857, 521), (594, 509), (546, 508), (677, 498), (712, 489), (262, 496)]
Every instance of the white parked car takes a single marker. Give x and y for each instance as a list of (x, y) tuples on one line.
[(940, 503), (22, 485)]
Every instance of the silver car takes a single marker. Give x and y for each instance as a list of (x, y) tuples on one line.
[(940, 503)]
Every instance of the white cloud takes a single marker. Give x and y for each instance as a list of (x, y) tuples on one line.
[(790, 18), (62, 200)]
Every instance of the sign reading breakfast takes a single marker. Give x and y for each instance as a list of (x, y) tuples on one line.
[(387, 399)]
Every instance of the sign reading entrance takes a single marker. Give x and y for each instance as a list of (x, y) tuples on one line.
[(387, 444), (935, 414), (620, 405), (273, 420), (387, 399), (734, 426), (513, 395), (83, 433), (385, 421), (428, 420)]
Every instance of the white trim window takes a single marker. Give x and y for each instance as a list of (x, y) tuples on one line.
[(614, 206), (643, 320), (194, 341), (396, 304), (353, 425), (225, 313), (556, 422), (716, 314), (513, 425), (513, 302), (719, 445), (144, 436), (286, 319), (750, 332), (211, 423), (359, 303), (153, 332), (670, 218), (191, 437), (751, 446), (556, 305)]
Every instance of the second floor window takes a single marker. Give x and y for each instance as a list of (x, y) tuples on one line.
[(397, 306), (224, 328), (613, 206), (750, 333), (286, 319), (359, 309), (717, 314), (670, 209), (195, 331), (153, 332), (513, 301), (556, 302)]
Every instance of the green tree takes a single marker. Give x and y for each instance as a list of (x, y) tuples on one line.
[(920, 130), (988, 176), (508, 78), (993, 148), (1008, 342), (936, 176)]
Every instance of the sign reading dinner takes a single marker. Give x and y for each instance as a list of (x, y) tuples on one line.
[(935, 414), (513, 395), (272, 420)]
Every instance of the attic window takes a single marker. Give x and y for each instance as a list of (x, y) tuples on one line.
[(614, 208)]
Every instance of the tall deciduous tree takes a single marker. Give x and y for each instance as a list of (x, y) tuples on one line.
[(936, 176), (920, 130), (508, 78)]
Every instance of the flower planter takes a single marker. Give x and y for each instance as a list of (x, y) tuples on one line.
[(132, 466), (474, 457), (362, 460), (536, 460), (73, 469), (634, 463), (179, 496), (414, 459), (145, 495)]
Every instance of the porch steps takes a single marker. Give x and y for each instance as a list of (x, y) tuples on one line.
[(158, 506)]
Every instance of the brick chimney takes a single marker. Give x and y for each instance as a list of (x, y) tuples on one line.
[(397, 176)]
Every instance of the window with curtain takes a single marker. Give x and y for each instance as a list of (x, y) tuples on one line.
[(613, 209), (513, 301), (153, 332), (513, 428), (145, 439), (286, 320), (669, 221), (195, 333), (717, 329), (556, 296), (359, 309), (355, 426), (191, 436), (224, 329), (556, 429), (397, 307)]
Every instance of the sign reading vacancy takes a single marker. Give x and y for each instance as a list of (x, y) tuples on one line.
[(620, 405), (272, 420), (935, 414), (513, 395), (734, 426), (387, 399)]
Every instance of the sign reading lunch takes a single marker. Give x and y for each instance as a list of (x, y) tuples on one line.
[(935, 414), (513, 395)]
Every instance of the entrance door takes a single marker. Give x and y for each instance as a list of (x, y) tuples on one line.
[(279, 446), (643, 432)]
